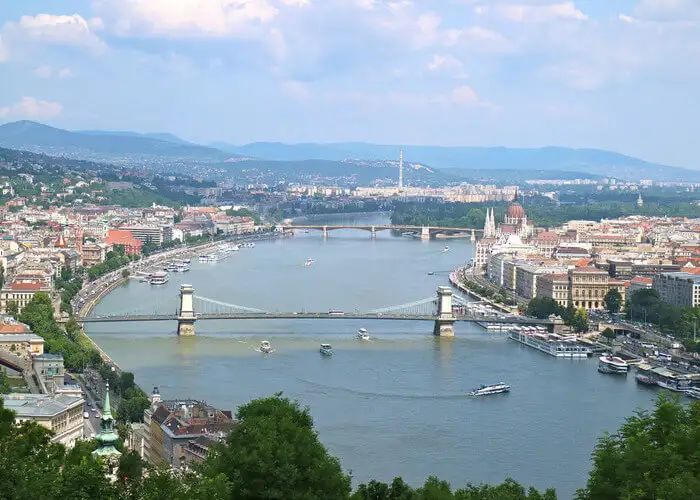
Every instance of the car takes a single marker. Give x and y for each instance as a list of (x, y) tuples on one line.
[(86, 414)]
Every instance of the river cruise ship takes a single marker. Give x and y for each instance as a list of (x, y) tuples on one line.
[(488, 390), (158, 278), (665, 378), (559, 346), (608, 363)]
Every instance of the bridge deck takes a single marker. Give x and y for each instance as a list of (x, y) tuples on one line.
[(311, 315)]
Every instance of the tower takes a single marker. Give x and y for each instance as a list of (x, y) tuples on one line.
[(186, 316), (400, 169), (490, 224), (640, 201), (107, 437)]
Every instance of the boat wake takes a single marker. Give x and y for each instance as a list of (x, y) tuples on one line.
[(388, 395)]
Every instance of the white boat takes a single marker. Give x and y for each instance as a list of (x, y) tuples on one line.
[(693, 392), (209, 258), (326, 350), (309, 262), (446, 249), (608, 363), (487, 390), (559, 346), (265, 347), (186, 261), (158, 278), (362, 334)]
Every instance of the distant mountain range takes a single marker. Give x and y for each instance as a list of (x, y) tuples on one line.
[(37, 137), (444, 164), (476, 159)]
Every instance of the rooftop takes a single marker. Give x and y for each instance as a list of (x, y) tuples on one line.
[(40, 405)]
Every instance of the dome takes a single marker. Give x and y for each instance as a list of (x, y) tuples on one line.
[(515, 211)]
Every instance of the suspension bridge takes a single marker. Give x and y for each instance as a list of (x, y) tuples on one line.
[(425, 232), (444, 309)]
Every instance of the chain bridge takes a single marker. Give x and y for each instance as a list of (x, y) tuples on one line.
[(444, 309)]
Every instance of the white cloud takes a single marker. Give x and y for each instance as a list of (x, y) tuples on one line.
[(31, 108), (296, 3), (46, 71), (464, 95), (668, 10), (524, 13), (71, 30), (443, 62), (188, 18)]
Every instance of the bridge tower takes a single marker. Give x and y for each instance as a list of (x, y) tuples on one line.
[(444, 323), (373, 232), (425, 233), (473, 237), (186, 316), (325, 232)]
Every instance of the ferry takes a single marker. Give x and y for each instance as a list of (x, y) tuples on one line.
[(309, 262), (608, 363), (559, 346), (362, 334), (693, 392), (487, 390), (644, 376), (265, 347), (158, 278), (170, 267), (326, 350)]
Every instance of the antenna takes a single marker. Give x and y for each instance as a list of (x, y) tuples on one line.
[(401, 169)]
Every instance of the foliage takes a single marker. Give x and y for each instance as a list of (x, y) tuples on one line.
[(244, 212), (608, 333), (613, 301), (69, 284), (579, 322), (274, 452), (4, 383), (653, 455), (646, 305), (12, 308), (38, 314), (113, 261), (544, 307)]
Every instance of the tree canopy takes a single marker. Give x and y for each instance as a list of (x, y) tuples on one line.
[(613, 301)]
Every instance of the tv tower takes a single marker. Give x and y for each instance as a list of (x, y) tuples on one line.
[(401, 169)]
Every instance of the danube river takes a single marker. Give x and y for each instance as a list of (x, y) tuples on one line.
[(395, 405)]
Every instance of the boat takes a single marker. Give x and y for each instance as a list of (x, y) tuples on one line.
[(187, 261), (170, 267), (309, 262), (362, 334), (158, 278), (693, 392), (644, 378), (608, 363), (326, 350), (265, 347), (430, 273), (559, 346), (209, 258), (181, 267), (446, 249), (487, 390)]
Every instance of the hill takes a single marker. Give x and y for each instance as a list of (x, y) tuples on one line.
[(592, 161), (37, 137)]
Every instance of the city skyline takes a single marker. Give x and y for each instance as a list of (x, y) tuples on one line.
[(458, 72)]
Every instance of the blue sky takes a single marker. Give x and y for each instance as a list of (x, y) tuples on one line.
[(615, 74)]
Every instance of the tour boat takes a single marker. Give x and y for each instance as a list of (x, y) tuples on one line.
[(158, 278), (326, 350), (265, 347), (308, 262), (693, 392), (170, 267), (362, 334), (608, 363), (487, 390), (446, 249)]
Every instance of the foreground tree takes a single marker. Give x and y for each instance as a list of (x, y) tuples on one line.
[(653, 455), (275, 453), (579, 322), (613, 301)]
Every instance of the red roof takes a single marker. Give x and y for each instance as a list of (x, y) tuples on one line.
[(27, 286)]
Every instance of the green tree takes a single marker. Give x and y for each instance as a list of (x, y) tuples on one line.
[(608, 333), (579, 322), (275, 453), (653, 455), (613, 301), (543, 307), (12, 308), (4, 382)]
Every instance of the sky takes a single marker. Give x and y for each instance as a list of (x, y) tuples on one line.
[(613, 74)]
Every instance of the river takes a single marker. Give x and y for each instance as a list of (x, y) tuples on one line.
[(393, 406)]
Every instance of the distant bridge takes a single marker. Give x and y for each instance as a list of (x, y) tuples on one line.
[(425, 232), (444, 309)]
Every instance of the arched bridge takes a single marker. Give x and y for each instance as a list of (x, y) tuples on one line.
[(444, 309)]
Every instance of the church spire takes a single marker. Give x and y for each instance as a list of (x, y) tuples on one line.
[(107, 437)]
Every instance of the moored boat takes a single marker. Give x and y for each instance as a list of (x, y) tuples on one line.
[(693, 392), (326, 350), (446, 249), (309, 262), (158, 278), (608, 363), (487, 390)]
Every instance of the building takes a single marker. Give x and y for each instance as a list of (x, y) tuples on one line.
[(60, 413), (94, 253), (108, 438), (121, 237), (171, 428), (528, 274), (24, 345), (679, 288), (150, 233), (640, 283), (554, 286), (21, 292), (51, 370), (588, 286)]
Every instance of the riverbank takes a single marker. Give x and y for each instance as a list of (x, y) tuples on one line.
[(460, 274)]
